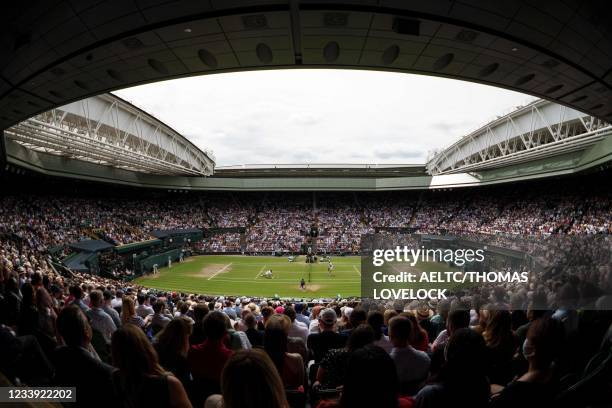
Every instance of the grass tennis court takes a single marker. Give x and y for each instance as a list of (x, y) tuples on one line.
[(243, 275)]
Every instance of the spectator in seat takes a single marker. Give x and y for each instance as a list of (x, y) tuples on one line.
[(327, 339), (412, 365), (314, 319), (535, 310), (77, 295), (290, 366), (139, 380), (159, 320), (34, 320), (183, 311), (438, 321), (128, 313), (249, 380), (388, 314), (300, 309), (376, 320), (108, 308), (206, 360), (345, 315), (77, 364), (237, 340), (144, 305), (457, 319), (199, 313), (11, 305), (484, 315), (99, 319), (360, 390), (535, 388), (266, 312), (172, 345), (463, 381), (21, 357), (297, 328), (294, 344), (566, 313), (332, 370), (358, 316), (419, 339), (255, 336), (117, 301), (501, 345)]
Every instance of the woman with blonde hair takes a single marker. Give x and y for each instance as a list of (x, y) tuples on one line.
[(263, 389), (139, 380), (128, 313)]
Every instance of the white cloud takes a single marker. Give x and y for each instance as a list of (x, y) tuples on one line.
[(322, 116)]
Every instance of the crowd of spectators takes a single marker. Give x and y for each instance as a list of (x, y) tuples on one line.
[(125, 345), (282, 222), (221, 242)]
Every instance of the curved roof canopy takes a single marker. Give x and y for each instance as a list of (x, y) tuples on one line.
[(59, 51), (109, 131), (538, 130)]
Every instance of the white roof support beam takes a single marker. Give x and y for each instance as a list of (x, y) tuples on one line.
[(540, 129), (108, 130)]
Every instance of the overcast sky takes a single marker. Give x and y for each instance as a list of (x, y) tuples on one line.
[(322, 116)]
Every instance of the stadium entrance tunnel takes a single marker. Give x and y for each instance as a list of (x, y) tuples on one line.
[(559, 51)]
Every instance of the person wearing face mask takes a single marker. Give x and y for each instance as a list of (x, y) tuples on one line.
[(535, 388)]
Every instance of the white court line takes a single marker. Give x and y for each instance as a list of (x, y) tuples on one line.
[(260, 271), (219, 271), (356, 270)]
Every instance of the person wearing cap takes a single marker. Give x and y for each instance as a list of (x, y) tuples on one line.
[(328, 338)]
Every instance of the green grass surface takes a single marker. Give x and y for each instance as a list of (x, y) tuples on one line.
[(242, 275)]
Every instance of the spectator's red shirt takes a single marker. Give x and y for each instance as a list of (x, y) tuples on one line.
[(207, 359), (423, 345)]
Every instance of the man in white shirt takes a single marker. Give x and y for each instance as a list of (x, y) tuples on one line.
[(117, 301), (412, 365)]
